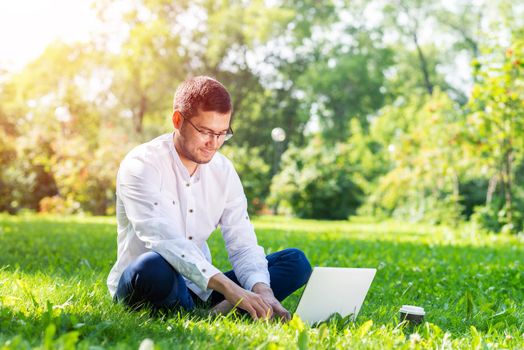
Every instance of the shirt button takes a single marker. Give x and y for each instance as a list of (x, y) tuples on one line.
[(173, 202), (190, 210), (203, 270), (188, 184), (183, 256), (156, 203), (190, 237)]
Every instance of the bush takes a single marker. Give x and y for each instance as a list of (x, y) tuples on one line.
[(472, 194), (493, 218), (61, 175), (318, 182), (253, 172), (7, 157), (86, 178), (401, 194), (58, 205), (27, 177)]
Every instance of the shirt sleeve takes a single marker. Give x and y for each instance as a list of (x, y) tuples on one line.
[(138, 186), (246, 256)]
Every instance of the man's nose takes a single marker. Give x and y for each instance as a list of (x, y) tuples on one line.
[(213, 140)]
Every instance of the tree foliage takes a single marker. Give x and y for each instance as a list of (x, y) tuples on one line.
[(374, 120), (423, 139), (496, 125), (253, 172)]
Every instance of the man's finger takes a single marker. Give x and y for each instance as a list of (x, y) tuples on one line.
[(257, 307), (282, 313), (267, 307), (247, 306), (261, 310), (253, 312), (287, 316), (269, 312), (261, 306)]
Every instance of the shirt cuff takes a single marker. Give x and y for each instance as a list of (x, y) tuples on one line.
[(255, 278), (207, 271)]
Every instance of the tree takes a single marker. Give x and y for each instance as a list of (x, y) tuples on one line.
[(346, 83), (407, 16), (423, 138), (147, 68), (495, 122)]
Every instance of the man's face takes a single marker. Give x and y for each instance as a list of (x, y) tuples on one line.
[(200, 147)]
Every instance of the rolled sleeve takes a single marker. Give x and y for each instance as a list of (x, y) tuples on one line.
[(254, 279), (246, 256)]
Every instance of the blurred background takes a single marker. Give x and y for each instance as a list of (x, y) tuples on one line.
[(410, 109)]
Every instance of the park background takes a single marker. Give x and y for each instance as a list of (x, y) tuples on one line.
[(409, 110)]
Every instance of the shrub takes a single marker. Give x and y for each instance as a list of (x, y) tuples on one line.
[(253, 172), (58, 205), (318, 182), (27, 177), (61, 175), (492, 217)]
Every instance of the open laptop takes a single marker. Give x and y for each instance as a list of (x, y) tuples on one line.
[(334, 290)]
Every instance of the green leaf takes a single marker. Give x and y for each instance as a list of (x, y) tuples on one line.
[(302, 341)]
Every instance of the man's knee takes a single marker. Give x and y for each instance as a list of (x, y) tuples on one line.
[(300, 263), (152, 277)]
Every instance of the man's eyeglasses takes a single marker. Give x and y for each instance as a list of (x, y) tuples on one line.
[(208, 135)]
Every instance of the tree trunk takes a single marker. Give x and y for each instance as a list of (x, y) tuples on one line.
[(456, 197), (492, 186), (423, 65), (422, 59), (139, 115), (508, 195)]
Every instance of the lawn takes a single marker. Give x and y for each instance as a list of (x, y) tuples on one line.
[(53, 292)]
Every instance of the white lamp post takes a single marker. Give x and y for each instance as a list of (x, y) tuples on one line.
[(279, 136)]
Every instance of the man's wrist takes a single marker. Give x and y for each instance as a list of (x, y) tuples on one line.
[(261, 287), (220, 283)]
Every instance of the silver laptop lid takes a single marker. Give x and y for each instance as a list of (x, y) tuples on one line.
[(334, 290)]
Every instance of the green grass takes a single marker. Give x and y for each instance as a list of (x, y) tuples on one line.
[(53, 292)]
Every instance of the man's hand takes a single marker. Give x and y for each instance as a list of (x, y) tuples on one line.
[(266, 293), (253, 303)]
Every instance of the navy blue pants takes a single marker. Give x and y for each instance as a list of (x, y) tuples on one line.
[(151, 281)]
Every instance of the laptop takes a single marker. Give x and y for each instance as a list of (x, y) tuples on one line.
[(334, 290)]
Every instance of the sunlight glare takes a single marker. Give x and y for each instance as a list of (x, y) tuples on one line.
[(28, 26)]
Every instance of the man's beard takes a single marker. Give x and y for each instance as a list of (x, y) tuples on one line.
[(194, 158)]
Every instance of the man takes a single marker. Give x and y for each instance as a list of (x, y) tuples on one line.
[(172, 193)]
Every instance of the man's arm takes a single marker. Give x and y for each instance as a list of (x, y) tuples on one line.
[(255, 304), (247, 257)]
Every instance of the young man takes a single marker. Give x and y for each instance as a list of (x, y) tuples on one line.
[(172, 193)]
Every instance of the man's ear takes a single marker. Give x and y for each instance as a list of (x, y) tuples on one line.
[(177, 119)]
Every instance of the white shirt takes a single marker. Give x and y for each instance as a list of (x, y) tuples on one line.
[(161, 208)]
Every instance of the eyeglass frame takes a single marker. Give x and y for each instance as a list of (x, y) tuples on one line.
[(227, 136)]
